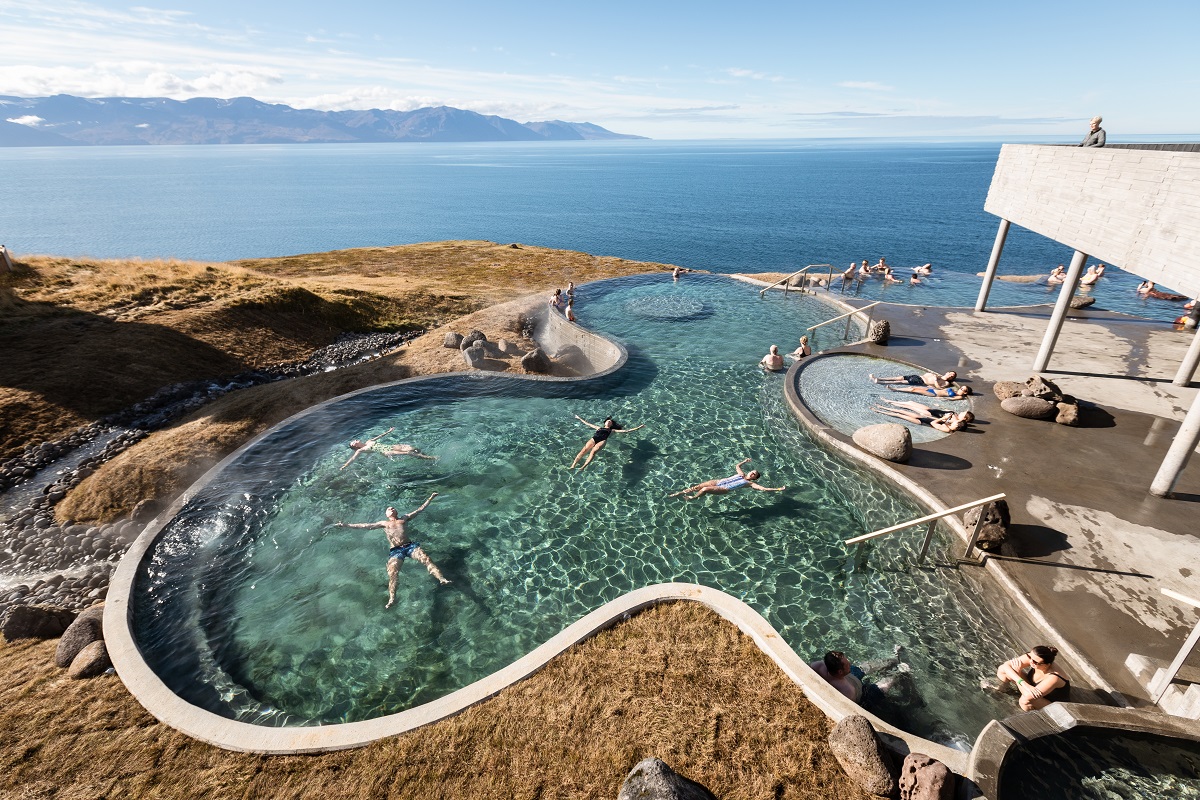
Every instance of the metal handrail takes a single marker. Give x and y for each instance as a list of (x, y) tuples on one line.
[(788, 280), (932, 520), (843, 316), (1167, 677)]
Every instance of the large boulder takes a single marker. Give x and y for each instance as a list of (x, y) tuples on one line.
[(1029, 407), (651, 779), (535, 361), (993, 533), (86, 628), (880, 332), (1068, 414), (471, 338), (925, 778), (1037, 386), (890, 441), (863, 756), (453, 340), (92, 660), (1006, 389), (474, 355), (1082, 301), (35, 622)]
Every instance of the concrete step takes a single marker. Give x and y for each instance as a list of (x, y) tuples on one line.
[(1142, 667), (1173, 700), (1191, 702)]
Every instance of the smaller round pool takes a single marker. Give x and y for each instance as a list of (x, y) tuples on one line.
[(1086, 763), (839, 391)]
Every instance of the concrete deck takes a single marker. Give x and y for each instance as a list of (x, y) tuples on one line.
[(1095, 546)]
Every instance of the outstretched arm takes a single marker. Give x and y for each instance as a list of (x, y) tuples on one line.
[(380, 436), (358, 524), (356, 452), (585, 422), (754, 485), (630, 430), (738, 466), (422, 507)]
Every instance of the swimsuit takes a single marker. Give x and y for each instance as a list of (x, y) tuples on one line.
[(403, 551), (1059, 694), (732, 482), (938, 413), (914, 380), (602, 434)]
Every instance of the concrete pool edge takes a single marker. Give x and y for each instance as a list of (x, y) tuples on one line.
[(998, 739), (843, 445)]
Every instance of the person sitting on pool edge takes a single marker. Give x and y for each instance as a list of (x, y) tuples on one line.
[(726, 485), (937, 418), (950, 392), (359, 447), (1036, 677), (839, 673), (596, 443), (401, 548), (772, 361), (927, 379)]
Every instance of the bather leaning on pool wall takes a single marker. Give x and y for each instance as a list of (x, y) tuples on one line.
[(670, 343)]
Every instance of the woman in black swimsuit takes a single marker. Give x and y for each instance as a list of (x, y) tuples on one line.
[(598, 439), (1036, 677)]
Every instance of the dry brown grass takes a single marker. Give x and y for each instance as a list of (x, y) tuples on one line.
[(675, 682), (85, 338)]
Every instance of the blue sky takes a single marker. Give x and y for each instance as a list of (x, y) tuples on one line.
[(665, 70)]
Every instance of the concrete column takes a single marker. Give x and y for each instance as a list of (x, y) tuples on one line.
[(1181, 450), (993, 262), (1074, 272), (1188, 368)]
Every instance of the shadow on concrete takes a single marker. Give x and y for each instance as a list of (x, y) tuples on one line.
[(905, 341), (1034, 541), (928, 459), (1185, 497), (1078, 567), (1093, 416), (1107, 376)]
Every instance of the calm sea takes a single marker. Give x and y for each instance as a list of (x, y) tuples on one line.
[(725, 206)]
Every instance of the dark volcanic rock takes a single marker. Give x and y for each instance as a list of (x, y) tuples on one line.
[(651, 779), (35, 622)]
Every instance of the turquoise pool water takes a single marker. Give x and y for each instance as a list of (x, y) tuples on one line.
[(252, 605), (839, 390)]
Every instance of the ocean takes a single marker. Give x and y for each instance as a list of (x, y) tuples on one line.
[(725, 206)]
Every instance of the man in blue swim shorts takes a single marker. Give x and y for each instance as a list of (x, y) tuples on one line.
[(401, 547), (928, 379)]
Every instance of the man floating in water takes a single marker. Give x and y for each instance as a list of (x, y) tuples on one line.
[(402, 548)]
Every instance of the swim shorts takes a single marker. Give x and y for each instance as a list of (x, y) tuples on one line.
[(403, 551), (914, 380)]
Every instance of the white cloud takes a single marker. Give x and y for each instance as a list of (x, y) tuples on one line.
[(872, 86), (28, 119)]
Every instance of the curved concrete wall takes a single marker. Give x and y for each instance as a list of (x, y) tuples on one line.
[(999, 738)]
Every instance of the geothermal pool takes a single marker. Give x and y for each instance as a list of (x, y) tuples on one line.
[(251, 604)]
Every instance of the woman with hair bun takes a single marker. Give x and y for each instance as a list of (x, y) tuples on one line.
[(1037, 679)]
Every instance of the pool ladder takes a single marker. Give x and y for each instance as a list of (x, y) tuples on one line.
[(848, 316), (787, 282), (931, 522)]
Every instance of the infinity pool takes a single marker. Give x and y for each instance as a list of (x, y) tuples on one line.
[(252, 605)]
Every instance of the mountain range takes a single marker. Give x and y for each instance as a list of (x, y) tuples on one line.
[(68, 120)]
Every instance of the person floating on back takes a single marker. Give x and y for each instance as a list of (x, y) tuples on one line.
[(596, 443), (359, 447), (726, 485), (401, 548), (927, 379)]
